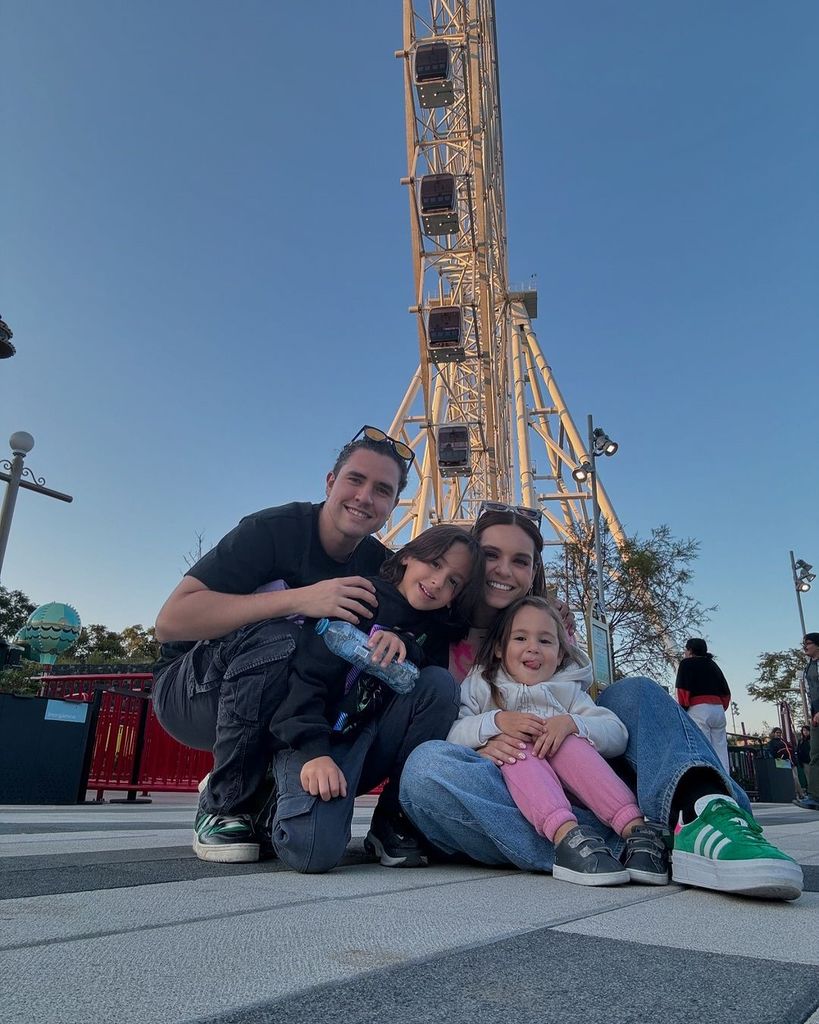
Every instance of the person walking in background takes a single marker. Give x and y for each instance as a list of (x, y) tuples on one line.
[(810, 675), (803, 755), (703, 691)]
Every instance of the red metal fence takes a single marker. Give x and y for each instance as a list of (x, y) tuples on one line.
[(131, 749)]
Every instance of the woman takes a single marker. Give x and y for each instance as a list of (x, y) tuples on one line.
[(457, 797), (703, 691)]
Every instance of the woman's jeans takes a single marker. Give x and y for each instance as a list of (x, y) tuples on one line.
[(460, 802)]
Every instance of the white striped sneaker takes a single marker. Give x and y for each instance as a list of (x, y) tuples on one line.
[(724, 849)]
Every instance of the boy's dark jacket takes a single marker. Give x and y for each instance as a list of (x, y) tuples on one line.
[(315, 692)]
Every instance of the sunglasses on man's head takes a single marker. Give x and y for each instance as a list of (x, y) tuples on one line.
[(519, 510), (403, 451)]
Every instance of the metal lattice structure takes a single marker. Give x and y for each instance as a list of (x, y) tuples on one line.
[(481, 370)]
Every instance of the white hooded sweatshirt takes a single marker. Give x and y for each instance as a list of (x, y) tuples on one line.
[(563, 694)]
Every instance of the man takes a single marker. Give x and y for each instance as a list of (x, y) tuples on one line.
[(228, 631), (810, 645)]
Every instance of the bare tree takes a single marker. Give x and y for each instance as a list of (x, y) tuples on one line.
[(649, 610)]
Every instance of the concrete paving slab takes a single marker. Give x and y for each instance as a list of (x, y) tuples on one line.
[(546, 977), (715, 923), (333, 928)]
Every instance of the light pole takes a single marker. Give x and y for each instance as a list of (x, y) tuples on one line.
[(599, 635), (802, 579), (21, 444), (599, 444)]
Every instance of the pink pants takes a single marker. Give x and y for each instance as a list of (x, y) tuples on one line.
[(537, 787)]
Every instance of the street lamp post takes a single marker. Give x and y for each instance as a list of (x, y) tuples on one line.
[(802, 579), (21, 444), (599, 444), (599, 634)]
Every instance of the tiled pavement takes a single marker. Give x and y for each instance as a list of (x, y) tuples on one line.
[(107, 916)]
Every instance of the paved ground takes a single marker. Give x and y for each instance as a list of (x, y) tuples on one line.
[(108, 917)]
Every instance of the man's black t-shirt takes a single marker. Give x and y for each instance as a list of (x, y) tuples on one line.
[(280, 543)]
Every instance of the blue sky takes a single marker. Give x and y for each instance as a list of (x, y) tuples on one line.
[(206, 266)]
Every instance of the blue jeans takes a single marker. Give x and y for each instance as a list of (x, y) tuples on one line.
[(460, 802)]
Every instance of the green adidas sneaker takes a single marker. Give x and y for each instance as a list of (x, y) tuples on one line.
[(724, 849), (225, 840)]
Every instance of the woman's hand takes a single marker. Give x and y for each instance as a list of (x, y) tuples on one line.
[(519, 725), (386, 647), (503, 750), (566, 615), (555, 730), (322, 777)]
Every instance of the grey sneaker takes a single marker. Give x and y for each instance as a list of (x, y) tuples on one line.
[(646, 855), (583, 858), (225, 840)]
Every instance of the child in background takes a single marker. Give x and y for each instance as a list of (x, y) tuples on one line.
[(530, 683)]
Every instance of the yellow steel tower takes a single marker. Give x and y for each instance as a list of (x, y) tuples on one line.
[(483, 411)]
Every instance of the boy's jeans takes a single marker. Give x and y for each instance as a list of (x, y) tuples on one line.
[(460, 802)]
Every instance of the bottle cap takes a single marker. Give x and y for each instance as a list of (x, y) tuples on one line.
[(321, 626)]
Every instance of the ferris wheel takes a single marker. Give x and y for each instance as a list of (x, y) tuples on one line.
[(483, 411)]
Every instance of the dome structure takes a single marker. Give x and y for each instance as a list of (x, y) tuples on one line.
[(50, 630)]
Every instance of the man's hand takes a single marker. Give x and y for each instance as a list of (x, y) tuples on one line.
[(323, 777), (555, 730), (349, 598), (503, 750), (386, 647), (519, 725)]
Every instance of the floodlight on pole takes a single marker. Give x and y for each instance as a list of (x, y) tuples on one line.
[(802, 579)]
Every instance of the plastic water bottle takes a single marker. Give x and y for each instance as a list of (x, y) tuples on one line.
[(350, 644)]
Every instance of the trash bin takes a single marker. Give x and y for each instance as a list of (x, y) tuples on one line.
[(43, 745), (774, 780)]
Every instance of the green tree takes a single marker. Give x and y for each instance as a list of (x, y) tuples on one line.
[(140, 643), (649, 610), (777, 679), (15, 608)]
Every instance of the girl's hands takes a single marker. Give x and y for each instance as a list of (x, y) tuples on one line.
[(386, 647), (322, 777), (555, 730), (519, 725), (501, 750)]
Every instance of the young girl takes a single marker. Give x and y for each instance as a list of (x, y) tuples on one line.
[(530, 683)]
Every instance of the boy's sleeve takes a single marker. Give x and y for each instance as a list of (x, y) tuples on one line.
[(476, 720), (301, 720)]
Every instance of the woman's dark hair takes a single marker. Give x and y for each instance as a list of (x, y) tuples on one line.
[(530, 529), (698, 647), (380, 448), (432, 544), (489, 661)]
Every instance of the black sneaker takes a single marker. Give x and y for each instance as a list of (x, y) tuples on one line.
[(225, 840), (584, 859), (393, 839), (646, 855)]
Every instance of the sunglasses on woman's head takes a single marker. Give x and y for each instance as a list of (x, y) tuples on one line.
[(403, 451), (519, 510)]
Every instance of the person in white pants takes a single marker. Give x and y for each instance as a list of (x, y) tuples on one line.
[(703, 691)]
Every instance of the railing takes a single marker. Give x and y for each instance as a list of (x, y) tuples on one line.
[(131, 750), (742, 750)]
